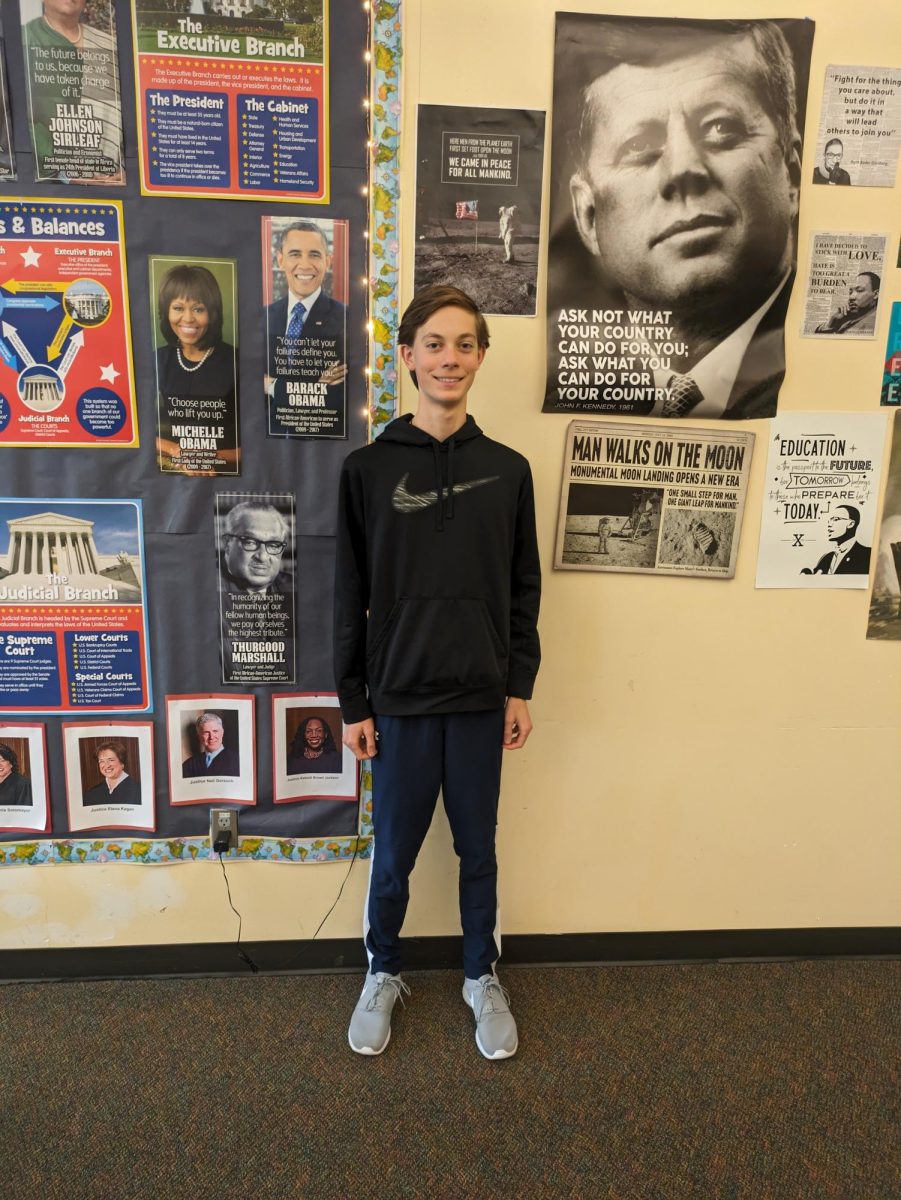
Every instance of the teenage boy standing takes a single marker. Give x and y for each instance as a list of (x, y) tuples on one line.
[(436, 650)]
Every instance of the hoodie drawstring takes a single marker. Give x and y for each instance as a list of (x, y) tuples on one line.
[(450, 479), (445, 506), (439, 487)]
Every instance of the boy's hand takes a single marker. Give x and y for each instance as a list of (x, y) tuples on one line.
[(360, 738), (517, 723)]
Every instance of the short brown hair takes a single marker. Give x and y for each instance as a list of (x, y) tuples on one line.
[(117, 748), (427, 302)]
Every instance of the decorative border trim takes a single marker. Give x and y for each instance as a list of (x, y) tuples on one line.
[(189, 849), (384, 196)]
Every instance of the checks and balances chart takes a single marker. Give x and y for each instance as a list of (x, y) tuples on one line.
[(232, 98), (65, 353)]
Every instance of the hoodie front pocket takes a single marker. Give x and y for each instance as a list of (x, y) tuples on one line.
[(434, 642)]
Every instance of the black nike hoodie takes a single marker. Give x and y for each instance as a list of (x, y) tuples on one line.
[(437, 577)]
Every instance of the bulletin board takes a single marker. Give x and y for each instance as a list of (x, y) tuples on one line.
[(166, 581)]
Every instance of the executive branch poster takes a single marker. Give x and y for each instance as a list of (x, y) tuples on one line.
[(232, 98), (676, 170)]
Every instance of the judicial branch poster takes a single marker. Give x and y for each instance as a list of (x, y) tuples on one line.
[(860, 127), (65, 350), (194, 307), (232, 98), (73, 92), (885, 599), (305, 292), (478, 203), (671, 258), (73, 616), (821, 495)]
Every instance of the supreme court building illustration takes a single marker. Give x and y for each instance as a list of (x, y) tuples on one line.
[(50, 548), (41, 389)]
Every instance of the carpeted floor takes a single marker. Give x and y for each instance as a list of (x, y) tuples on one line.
[(760, 1081)]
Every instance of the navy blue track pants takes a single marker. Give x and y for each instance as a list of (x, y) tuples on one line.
[(460, 755)]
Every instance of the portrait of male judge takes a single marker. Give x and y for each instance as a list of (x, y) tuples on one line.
[(252, 545), (307, 313), (684, 196), (116, 786), (832, 171), (858, 314), (848, 557), (213, 756)]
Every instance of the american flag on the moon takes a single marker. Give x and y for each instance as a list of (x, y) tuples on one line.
[(467, 210)]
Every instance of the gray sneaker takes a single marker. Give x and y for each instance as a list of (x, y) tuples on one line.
[(370, 1025), (496, 1035)]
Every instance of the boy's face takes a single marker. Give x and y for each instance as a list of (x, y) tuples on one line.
[(445, 356)]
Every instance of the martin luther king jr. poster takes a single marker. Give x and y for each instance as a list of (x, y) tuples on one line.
[(676, 171)]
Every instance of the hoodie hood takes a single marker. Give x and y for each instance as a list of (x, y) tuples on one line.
[(403, 431)]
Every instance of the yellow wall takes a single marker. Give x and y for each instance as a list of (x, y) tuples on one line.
[(705, 755)]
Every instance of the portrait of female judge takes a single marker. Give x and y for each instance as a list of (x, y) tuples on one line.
[(14, 787), (313, 749), (116, 786)]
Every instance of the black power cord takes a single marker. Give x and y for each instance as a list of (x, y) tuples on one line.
[(221, 844), (353, 859), (242, 953)]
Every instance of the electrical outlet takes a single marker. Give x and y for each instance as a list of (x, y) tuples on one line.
[(224, 824)]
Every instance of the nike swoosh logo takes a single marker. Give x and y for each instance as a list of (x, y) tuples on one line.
[(403, 501)]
